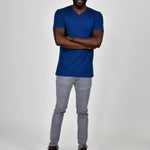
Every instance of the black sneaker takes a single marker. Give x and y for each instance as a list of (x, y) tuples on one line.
[(83, 149), (52, 148)]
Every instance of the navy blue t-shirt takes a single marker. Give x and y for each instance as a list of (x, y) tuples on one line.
[(75, 62)]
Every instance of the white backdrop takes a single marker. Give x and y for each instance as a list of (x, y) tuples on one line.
[(119, 114)]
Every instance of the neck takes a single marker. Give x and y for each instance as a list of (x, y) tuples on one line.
[(79, 10)]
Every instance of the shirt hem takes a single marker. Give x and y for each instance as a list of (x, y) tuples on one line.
[(73, 75)]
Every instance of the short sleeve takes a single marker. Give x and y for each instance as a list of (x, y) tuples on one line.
[(59, 19), (98, 21)]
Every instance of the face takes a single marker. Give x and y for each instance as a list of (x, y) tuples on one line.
[(79, 3)]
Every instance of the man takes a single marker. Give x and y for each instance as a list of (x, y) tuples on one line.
[(78, 30)]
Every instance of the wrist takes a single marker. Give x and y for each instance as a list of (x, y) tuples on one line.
[(71, 37)]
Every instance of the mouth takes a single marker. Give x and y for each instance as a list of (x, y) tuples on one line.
[(80, 2)]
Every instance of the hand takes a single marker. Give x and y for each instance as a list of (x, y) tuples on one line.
[(89, 48), (68, 38)]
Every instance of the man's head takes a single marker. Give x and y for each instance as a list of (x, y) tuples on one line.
[(79, 3)]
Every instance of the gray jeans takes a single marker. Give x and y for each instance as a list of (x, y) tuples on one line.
[(63, 87)]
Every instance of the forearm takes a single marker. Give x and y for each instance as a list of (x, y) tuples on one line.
[(89, 42), (94, 41), (64, 42)]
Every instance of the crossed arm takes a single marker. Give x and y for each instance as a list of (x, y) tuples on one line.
[(78, 43)]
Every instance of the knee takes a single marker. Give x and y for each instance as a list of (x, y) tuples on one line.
[(82, 112), (59, 110)]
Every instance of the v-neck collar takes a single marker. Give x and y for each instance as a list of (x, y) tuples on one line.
[(77, 13)]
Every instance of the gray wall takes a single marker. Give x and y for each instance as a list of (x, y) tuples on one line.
[(119, 102)]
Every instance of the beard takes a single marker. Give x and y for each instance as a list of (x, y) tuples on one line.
[(79, 6)]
